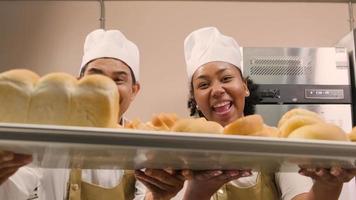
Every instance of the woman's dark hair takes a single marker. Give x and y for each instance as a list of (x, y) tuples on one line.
[(250, 101)]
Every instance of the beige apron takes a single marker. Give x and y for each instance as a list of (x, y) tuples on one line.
[(264, 189), (80, 190)]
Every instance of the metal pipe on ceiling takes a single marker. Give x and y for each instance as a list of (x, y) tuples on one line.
[(351, 16), (102, 14)]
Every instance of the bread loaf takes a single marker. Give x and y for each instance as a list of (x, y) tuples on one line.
[(16, 87), (95, 102), (58, 99), (51, 99)]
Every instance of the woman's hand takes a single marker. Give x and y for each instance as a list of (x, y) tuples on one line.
[(162, 184), (334, 176), (203, 184), (10, 162), (327, 182)]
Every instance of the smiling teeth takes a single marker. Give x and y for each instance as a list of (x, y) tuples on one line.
[(221, 104)]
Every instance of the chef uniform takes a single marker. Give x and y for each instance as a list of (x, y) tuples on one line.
[(31, 183), (207, 45)]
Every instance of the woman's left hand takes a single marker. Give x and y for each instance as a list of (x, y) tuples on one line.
[(162, 184), (334, 176)]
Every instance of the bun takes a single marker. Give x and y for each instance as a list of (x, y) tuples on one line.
[(16, 87), (245, 125), (319, 131), (295, 122), (58, 99), (267, 131), (138, 125), (352, 135), (297, 112), (164, 121), (197, 125)]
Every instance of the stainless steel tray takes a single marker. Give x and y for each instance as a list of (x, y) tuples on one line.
[(66, 147)]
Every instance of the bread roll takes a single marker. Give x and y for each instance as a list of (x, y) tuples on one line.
[(267, 131), (319, 131), (138, 125), (295, 122), (164, 121), (245, 126), (199, 125), (51, 99), (297, 112), (16, 87), (95, 102), (352, 135)]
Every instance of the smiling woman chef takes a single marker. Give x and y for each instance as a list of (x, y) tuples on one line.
[(218, 92)]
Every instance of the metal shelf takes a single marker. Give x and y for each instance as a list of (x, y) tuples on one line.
[(100, 148)]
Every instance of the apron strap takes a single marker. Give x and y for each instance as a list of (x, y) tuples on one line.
[(74, 184)]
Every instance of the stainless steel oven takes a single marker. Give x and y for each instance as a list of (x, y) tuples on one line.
[(317, 79), (348, 42)]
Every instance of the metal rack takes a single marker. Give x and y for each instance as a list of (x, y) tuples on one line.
[(65, 147)]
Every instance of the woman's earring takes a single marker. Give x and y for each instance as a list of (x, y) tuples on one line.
[(247, 93)]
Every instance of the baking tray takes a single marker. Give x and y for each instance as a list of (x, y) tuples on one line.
[(103, 148)]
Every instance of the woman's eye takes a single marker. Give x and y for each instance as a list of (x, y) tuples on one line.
[(203, 85)]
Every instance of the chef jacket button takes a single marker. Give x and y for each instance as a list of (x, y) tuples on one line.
[(74, 187)]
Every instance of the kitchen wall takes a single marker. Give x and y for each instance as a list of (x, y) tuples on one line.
[(47, 36)]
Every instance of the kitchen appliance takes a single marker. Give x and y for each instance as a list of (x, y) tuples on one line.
[(348, 42), (317, 79)]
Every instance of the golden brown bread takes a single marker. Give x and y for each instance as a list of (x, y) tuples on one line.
[(51, 99), (16, 88), (297, 112), (197, 125), (164, 121), (95, 102), (245, 125), (295, 122), (58, 99), (138, 125), (352, 135), (267, 131), (304, 124), (319, 131)]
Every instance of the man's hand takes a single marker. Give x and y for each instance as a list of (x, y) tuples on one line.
[(10, 163)]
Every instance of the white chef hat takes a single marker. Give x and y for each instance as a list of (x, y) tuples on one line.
[(207, 45), (111, 44)]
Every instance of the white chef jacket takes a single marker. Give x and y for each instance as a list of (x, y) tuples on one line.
[(51, 184)]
